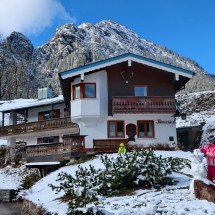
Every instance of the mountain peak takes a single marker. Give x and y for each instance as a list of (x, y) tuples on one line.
[(19, 45), (73, 46)]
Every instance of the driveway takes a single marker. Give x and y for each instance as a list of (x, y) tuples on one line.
[(13, 208)]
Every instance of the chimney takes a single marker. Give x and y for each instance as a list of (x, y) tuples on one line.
[(44, 93)]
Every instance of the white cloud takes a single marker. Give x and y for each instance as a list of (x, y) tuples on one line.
[(31, 16)]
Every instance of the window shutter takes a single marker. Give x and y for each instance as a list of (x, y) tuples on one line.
[(56, 113), (66, 112), (56, 139), (40, 116), (39, 140)]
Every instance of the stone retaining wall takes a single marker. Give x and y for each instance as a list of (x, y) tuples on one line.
[(204, 191), (7, 195), (29, 208)]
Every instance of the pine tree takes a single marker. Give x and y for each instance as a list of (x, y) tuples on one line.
[(138, 169)]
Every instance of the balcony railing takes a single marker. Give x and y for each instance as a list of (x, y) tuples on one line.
[(143, 104), (108, 145), (31, 127), (72, 146)]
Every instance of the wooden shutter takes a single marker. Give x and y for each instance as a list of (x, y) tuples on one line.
[(39, 140), (40, 116), (66, 112), (56, 113), (56, 139)]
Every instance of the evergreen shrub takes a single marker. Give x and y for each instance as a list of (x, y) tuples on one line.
[(137, 169), (30, 179)]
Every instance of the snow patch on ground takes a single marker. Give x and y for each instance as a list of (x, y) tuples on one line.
[(12, 177), (176, 199)]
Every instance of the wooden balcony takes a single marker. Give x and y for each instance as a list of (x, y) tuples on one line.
[(143, 105), (72, 146), (108, 145), (38, 126)]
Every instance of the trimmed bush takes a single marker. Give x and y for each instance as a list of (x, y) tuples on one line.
[(137, 169)]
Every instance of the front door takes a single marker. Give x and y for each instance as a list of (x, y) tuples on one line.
[(131, 130)]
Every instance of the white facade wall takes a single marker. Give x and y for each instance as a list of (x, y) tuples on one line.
[(81, 108), (33, 113), (162, 130), (91, 107), (31, 139), (91, 114), (92, 119)]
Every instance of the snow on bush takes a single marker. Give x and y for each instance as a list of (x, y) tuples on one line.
[(138, 169)]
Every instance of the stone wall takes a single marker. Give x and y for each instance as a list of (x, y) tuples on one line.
[(29, 208), (7, 195), (204, 191)]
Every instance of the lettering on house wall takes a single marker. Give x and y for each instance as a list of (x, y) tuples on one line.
[(160, 121)]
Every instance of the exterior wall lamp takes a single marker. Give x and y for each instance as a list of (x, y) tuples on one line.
[(183, 116), (178, 113)]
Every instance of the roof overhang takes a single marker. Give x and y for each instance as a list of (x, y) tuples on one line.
[(122, 58), (32, 104)]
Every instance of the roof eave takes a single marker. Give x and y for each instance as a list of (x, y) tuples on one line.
[(122, 58)]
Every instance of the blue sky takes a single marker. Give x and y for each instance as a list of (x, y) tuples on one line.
[(185, 26)]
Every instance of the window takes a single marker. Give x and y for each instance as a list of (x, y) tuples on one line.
[(77, 92), (50, 114), (52, 139), (89, 90), (145, 128), (47, 115), (171, 138), (84, 90), (44, 115), (116, 129), (140, 90), (48, 139)]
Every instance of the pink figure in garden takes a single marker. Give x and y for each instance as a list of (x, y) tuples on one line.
[(209, 151)]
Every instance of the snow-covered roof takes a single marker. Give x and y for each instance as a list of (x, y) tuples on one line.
[(122, 58), (28, 103)]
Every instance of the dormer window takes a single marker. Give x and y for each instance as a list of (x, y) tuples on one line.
[(140, 90), (84, 90)]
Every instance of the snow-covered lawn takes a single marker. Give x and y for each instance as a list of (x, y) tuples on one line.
[(176, 199), (12, 177)]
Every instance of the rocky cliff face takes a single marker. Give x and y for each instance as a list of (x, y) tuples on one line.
[(73, 46), (17, 74)]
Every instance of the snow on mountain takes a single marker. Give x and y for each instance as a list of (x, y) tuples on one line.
[(73, 46), (103, 40)]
